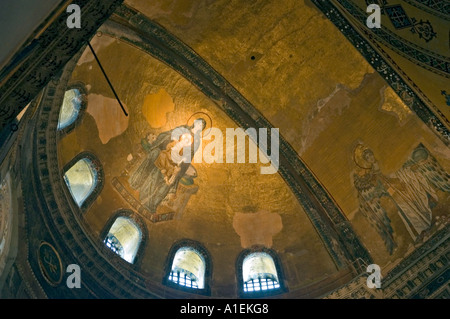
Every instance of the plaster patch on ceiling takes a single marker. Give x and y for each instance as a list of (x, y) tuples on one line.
[(392, 104), (108, 116), (332, 106), (257, 228), (322, 115), (155, 108)]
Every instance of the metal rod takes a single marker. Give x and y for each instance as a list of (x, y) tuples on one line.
[(107, 79)]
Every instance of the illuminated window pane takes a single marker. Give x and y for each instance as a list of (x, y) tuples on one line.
[(259, 272), (114, 244), (124, 238), (188, 268), (81, 180), (70, 108)]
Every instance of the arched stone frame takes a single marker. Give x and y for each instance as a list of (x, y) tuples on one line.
[(200, 249), (84, 92), (140, 223), (280, 273), (99, 179)]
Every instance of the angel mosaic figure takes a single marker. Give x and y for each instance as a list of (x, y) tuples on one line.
[(411, 188), (369, 182), (419, 177)]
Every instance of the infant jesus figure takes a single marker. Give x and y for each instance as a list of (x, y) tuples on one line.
[(170, 165)]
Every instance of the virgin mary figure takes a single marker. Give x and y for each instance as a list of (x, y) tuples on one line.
[(165, 163)]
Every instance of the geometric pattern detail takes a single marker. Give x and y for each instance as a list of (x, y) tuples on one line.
[(440, 5), (398, 16), (424, 29), (431, 61), (438, 8), (380, 3), (424, 58), (447, 97)]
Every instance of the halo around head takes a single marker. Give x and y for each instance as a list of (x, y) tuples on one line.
[(358, 156), (419, 154), (205, 117)]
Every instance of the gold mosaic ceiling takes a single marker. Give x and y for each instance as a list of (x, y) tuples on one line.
[(302, 74)]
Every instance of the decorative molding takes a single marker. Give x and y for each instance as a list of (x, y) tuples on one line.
[(50, 263), (438, 8), (119, 280), (427, 59), (111, 279), (58, 212), (424, 273), (46, 56)]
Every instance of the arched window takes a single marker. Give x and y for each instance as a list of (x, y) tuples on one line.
[(71, 106), (124, 238), (84, 176), (81, 180), (189, 267), (259, 272)]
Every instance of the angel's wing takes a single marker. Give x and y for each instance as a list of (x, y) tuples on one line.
[(370, 191), (430, 168)]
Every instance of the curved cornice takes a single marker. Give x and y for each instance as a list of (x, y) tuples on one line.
[(439, 8)]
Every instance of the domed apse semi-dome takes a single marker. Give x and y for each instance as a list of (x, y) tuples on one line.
[(204, 204)]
